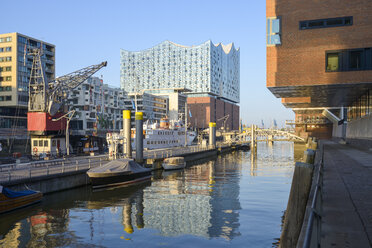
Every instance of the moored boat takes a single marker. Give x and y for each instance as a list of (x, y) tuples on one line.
[(118, 172), (11, 200), (174, 163)]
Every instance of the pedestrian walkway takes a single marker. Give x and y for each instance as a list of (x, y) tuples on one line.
[(347, 197)]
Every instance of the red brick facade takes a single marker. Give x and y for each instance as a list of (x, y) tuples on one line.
[(296, 68), (209, 109)]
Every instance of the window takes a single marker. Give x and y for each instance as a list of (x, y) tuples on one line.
[(8, 68), (349, 60), (40, 143), (327, 23), (8, 49), (46, 143), (8, 98), (355, 59), (35, 142), (273, 31)]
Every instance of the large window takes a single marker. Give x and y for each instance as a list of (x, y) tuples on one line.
[(326, 23), (349, 60), (361, 107), (273, 31)]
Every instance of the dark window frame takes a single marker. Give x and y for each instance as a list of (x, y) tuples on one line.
[(345, 56), (346, 21)]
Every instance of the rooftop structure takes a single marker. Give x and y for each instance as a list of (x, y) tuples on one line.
[(206, 69)]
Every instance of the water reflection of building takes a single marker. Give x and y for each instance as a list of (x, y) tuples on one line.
[(202, 200)]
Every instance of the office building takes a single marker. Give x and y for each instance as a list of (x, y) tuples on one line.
[(153, 107), (319, 61)]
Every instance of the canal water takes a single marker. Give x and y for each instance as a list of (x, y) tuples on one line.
[(234, 200)]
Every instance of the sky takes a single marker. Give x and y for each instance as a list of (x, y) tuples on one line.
[(89, 32)]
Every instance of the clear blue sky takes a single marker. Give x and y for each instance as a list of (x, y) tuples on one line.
[(88, 32)]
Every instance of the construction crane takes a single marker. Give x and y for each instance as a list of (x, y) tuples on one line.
[(224, 119), (45, 120)]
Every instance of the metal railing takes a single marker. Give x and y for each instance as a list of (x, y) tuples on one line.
[(26, 171), (313, 229)]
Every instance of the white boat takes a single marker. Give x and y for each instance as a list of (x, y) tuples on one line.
[(165, 135), (174, 163)]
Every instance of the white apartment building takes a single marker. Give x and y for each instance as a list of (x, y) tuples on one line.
[(99, 108)]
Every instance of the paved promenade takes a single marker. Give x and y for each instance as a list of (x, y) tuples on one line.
[(347, 197)]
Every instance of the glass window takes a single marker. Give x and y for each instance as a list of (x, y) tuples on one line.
[(35, 142), (355, 60), (46, 143), (40, 143), (8, 98), (273, 31), (333, 61)]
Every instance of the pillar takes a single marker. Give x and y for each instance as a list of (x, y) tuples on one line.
[(139, 137), (127, 136)]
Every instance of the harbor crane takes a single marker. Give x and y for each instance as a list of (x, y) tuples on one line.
[(224, 119), (46, 118)]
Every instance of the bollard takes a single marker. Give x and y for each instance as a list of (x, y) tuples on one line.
[(309, 156), (127, 134), (139, 137), (212, 135)]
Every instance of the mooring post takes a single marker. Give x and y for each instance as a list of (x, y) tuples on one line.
[(212, 135), (139, 137), (127, 135)]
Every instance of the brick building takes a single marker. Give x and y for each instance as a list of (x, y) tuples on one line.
[(320, 57), (209, 109)]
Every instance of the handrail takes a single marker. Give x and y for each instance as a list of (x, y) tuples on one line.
[(312, 239)]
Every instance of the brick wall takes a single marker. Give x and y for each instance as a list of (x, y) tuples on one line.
[(209, 109), (300, 59)]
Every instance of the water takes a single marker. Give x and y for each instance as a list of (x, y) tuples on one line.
[(232, 201)]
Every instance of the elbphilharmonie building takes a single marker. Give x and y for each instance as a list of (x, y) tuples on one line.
[(206, 69)]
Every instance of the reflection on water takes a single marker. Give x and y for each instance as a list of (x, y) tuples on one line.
[(233, 200)]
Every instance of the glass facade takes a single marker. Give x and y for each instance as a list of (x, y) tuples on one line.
[(360, 107), (206, 68)]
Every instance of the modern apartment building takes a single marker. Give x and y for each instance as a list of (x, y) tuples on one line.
[(15, 69), (208, 70), (99, 109), (97, 105), (319, 60)]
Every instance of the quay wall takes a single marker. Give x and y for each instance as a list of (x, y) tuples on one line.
[(62, 181), (52, 183)]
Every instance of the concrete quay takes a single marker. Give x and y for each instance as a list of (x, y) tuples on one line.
[(57, 175), (347, 197)]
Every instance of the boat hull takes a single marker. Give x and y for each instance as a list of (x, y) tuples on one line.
[(10, 204), (100, 180), (167, 166)]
